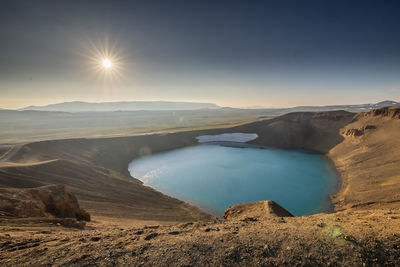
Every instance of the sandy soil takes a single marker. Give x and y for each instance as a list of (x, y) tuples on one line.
[(353, 238)]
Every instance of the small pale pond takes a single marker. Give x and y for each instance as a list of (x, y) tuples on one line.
[(216, 176)]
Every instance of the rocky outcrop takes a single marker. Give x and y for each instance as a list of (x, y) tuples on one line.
[(256, 211), (45, 201), (59, 202), (354, 132), (391, 112)]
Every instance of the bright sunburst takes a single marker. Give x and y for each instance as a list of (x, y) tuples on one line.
[(105, 61)]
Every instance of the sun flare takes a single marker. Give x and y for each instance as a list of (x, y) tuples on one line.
[(106, 63)]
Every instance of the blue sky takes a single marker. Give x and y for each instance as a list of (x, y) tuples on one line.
[(233, 53)]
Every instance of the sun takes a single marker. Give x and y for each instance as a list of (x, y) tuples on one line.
[(104, 60), (106, 63)]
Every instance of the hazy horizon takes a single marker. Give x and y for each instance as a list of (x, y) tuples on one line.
[(193, 102), (231, 53)]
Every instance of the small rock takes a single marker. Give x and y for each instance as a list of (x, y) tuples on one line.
[(95, 238), (369, 127), (186, 225), (5, 244), (250, 219), (152, 227), (151, 236), (174, 233)]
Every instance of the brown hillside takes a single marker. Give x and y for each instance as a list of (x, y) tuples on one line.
[(101, 191), (369, 161)]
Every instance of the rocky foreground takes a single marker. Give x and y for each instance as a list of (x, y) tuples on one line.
[(352, 238)]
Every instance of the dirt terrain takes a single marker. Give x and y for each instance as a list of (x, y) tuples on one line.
[(368, 160), (136, 225), (350, 238)]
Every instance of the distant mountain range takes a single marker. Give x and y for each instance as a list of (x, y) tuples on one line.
[(78, 106), (350, 108)]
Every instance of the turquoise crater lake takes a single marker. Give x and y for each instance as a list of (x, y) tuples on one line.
[(216, 176)]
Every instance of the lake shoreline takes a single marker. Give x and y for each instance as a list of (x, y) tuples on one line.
[(325, 205)]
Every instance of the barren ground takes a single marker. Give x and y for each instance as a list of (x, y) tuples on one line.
[(135, 225)]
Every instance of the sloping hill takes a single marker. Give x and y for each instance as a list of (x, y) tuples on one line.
[(368, 160), (101, 191)]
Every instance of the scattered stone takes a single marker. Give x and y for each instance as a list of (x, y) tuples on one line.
[(174, 233), (250, 219), (5, 244), (84, 256), (268, 251), (322, 225), (72, 223), (212, 229), (350, 238), (144, 248), (151, 236), (152, 227), (370, 127), (186, 225)]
